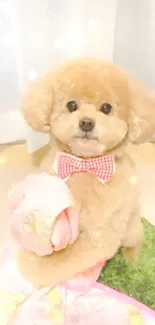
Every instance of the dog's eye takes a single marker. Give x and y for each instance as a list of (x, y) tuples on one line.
[(105, 108), (72, 106)]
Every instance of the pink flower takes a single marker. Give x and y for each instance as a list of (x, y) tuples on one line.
[(44, 215)]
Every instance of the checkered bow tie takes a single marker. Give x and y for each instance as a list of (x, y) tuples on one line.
[(102, 167)]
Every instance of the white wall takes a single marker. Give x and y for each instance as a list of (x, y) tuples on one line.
[(11, 125), (135, 39)]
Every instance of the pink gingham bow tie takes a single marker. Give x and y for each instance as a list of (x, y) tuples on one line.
[(102, 167)]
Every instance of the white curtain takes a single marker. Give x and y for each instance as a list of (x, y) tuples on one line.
[(134, 46), (37, 34)]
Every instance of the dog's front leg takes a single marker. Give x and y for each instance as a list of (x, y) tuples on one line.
[(133, 238)]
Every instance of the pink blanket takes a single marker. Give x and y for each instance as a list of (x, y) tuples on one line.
[(74, 303)]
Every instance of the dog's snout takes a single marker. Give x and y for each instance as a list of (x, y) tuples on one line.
[(86, 124)]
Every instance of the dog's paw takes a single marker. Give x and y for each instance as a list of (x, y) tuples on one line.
[(131, 254)]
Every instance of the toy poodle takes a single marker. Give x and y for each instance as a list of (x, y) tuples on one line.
[(91, 109)]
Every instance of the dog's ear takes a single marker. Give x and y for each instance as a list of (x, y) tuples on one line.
[(141, 112), (37, 104)]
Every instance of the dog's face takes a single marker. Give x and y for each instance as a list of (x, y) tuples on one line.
[(90, 107), (88, 113)]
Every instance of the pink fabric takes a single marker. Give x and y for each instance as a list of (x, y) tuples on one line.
[(22, 304), (102, 167), (44, 217), (83, 282)]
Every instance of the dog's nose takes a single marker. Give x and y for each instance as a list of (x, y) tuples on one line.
[(86, 124)]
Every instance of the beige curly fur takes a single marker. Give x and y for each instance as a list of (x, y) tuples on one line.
[(109, 217)]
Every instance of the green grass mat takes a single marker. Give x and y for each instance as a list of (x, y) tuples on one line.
[(137, 279)]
